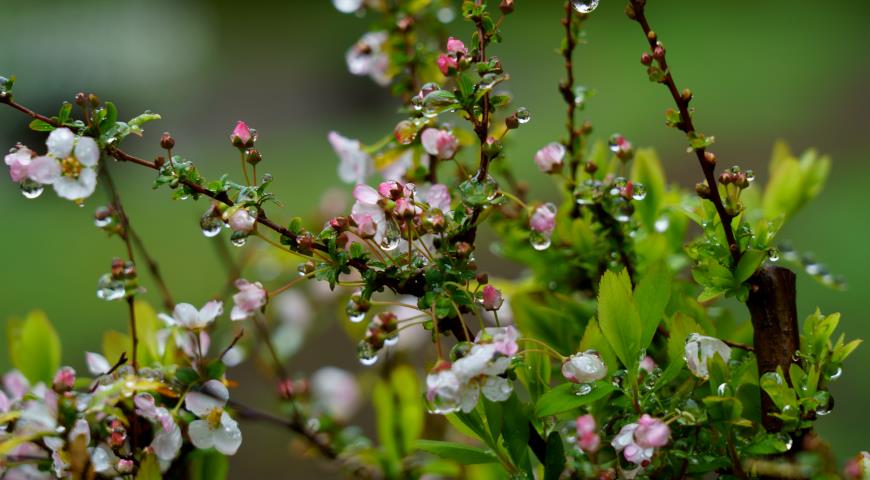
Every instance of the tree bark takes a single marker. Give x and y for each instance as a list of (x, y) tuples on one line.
[(773, 305)]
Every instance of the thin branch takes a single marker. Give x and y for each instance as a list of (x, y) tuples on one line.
[(707, 162)]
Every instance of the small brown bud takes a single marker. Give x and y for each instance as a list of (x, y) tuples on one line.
[(167, 142), (646, 59), (81, 99), (703, 190), (405, 23), (686, 95), (725, 178), (512, 122), (117, 267), (339, 223), (482, 278), (651, 36), (659, 53), (159, 161), (710, 157), (590, 167), (464, 249), (506, 6), (342, 240), (252, 156), (629, 12), (94, 100)]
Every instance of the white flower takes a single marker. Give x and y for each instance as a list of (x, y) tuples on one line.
[(76, 178), (497, 389), (584, 367), (438, 196), (337, 391), (250, 298), (167, 435), (700, 349), (440, 143), (215, 427), (187, 316), (443, 390), (549, 159), (355, 165), (481, 360)]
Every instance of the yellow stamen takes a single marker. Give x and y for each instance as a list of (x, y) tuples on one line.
[(71, 167)]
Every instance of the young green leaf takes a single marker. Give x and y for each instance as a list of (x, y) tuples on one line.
[(463, 454), (651, 296), (619, 319), (34, 347), (567, 397)]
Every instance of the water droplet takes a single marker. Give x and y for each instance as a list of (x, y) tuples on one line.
[(724, 390), (391, 339), (417, 102), (773, 255), (313, 424), (31, 189), (523, 115), (354, 313), (750, 176), (584, 6), (110, 289), (211, 224), (662, 224), (102, 222), (239, 241), (366, 353), (405, 132), (638, 192), (582, 389), (813, 268), (539, 241), (579, 95), (392, 236), (837, 373), (622, 217)]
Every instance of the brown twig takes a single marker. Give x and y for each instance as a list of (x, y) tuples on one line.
[(636, 12)]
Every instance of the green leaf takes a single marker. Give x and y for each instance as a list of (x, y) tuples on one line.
[(749, 263), (111, 116), (41, 126), (64, 113), (34, 347), (651, 296), (470, 424), (382, 399), (410, 404), (566, 397), (647, 169), (149, 469), (463, 454), (619, 319), (207, 465), (767, 444), (793, 182), (515, 432), (554, 463)]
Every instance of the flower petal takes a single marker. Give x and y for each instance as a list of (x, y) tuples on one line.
[(44, 170), (87, 151), (200, 434), (227, 437), (60, 142)]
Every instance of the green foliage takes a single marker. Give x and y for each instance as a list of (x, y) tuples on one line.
[(34, 346), (793, 181)]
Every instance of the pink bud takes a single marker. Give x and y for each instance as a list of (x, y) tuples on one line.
[(543, 220), (549, 159), (446, 63), (392, 190), (64, 379), (241, 221), (492, 298), (366, 225), (648, 364), (455, 46), (440, 143), (585, 424), (589, 442), (651, 432), (242, 137), (125, 465)]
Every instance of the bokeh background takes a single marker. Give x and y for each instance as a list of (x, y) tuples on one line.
[(761, 71)]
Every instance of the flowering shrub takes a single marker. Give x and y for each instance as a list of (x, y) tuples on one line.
[(612, 356)]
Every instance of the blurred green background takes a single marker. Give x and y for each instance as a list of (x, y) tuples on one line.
[(760, 70)]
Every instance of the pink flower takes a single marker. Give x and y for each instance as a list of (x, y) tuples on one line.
[(504, 339), (587, 434), (405, 208), (439, 143), (250, 298), (64, 379), (125, 465), (18, 161), (858, 466), (370, 219), (241, 221), (438, 197), (624, 443), (492, 298), (446, 64), (337, 392), (367, 57), (620, 146), (550, 158), (391, 189), (242, 137), (366, 194), (455, 47), (584, 367), (543, 220), (651, 432)]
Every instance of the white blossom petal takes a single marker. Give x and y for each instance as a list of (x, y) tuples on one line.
[(497, 389), (44, 170), (200, 434), (60, 142), (97, 364), (87, 152), (227, 437)]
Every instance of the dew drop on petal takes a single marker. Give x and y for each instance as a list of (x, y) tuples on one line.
[(584, 6), (366, 353)]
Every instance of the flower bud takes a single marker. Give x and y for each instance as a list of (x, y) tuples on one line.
[(590, 167), (659, 53), (464, 249), (543, 220), (512, 122), (506, 6), (550, 158), (703, 190), (482, 278), (447, 64), (242, 136), (64, 380), (686, 95), (252, 156), (726, 178), (456, 47), (159, 161), (584, 367), (81, 99), (646, 59), (651, 36), (125, 466), (167, 142), (491, 298), (710, 157), (651, 432)]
